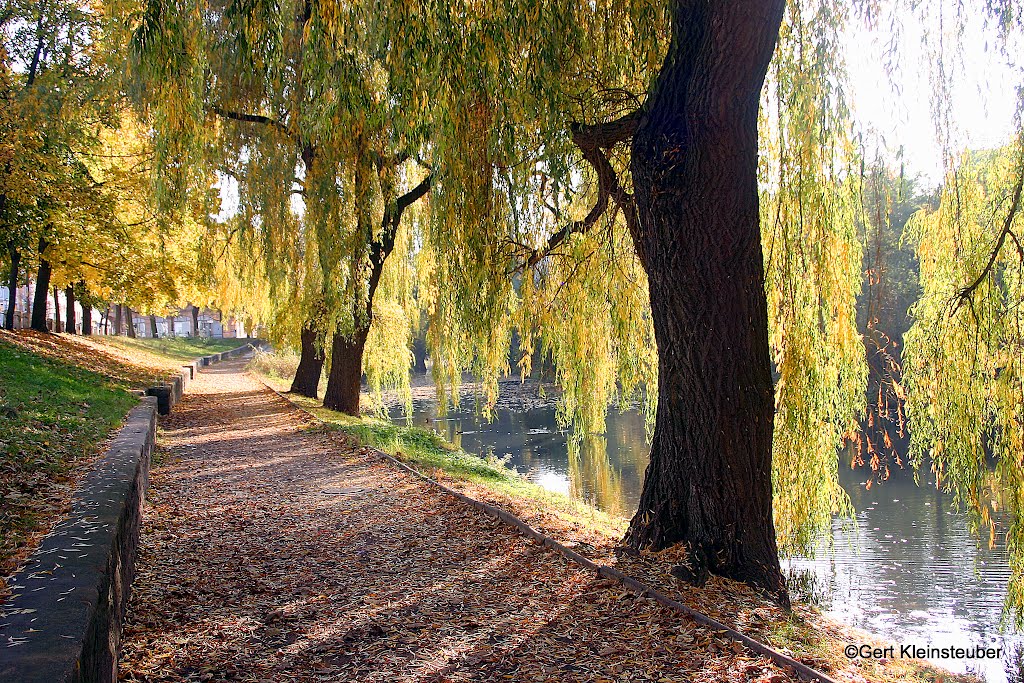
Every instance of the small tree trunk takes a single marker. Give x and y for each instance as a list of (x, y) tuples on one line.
[(130, 322), (117, 320), (12, 285), (195, 321), (311, 364), (86, 312), (419, 354), (56, 312), (345, 375), (152, 326), (694, 167), (70, 322), (42, 291)]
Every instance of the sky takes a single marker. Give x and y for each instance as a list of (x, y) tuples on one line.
[(896, 103)]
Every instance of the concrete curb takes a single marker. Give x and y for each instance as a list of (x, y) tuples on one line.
[(63, 620)]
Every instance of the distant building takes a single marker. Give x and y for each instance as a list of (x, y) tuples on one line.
[(211, 323)]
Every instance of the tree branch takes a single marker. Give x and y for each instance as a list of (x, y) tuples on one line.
[(591, 139), (964, 295), (382, 247), (250, 118), (605, 135)]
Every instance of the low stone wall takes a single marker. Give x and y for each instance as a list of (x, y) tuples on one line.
[(63, 621)]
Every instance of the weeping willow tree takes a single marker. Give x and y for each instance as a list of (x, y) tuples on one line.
[(964, 355), (811, 175), (630, 186), (277, 98), (598, 189)]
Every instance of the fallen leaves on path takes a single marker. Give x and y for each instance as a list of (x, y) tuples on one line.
[(254, 568)]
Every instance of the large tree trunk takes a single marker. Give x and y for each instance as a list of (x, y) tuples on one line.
[(311, 364), (195, 321), (129, 322), (694, 165), (12, 286), (345, 375), (118, 322), (419, 355), (152, 326), (42, 291), (70, 319)]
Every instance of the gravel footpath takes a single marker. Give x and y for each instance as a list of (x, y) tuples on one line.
[(275, 551)]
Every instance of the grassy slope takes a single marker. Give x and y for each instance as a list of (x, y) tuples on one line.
[(428, 452), (52, 414), (61, 396), (167, 352)]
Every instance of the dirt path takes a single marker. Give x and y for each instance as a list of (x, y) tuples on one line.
[(272, 551)]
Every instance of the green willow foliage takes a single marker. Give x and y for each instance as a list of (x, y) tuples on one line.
[(503, 85), (277, 100), (964, 356), (813, 269), (487, 95), (350, 103)]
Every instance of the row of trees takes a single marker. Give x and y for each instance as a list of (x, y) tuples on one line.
[(75, 171), (664, 199)]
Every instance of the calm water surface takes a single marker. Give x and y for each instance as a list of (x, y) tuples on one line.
[(906, 567)]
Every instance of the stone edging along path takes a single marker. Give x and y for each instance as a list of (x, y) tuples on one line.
[(800, 669), (62, 623)]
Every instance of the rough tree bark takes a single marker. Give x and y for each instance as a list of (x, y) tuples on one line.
[(56, 312), (152, 326), (118, 322), (311, 363), (346, 372), (86, 310), (129, 321), (694, 166), (195, 321), (70, 319), (42, 290), (12, 285)]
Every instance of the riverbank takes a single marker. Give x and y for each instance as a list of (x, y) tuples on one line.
[(804, 634)]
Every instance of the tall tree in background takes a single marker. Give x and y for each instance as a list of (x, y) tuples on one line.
[(74, 181)]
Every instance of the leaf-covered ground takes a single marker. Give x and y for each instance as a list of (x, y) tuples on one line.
[(276, 550), (54, 417), (61, 397), (804, 633)]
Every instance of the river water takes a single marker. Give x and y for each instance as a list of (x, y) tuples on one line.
[(905, 567)]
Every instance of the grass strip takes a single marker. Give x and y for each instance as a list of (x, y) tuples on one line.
[(52, 415)]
